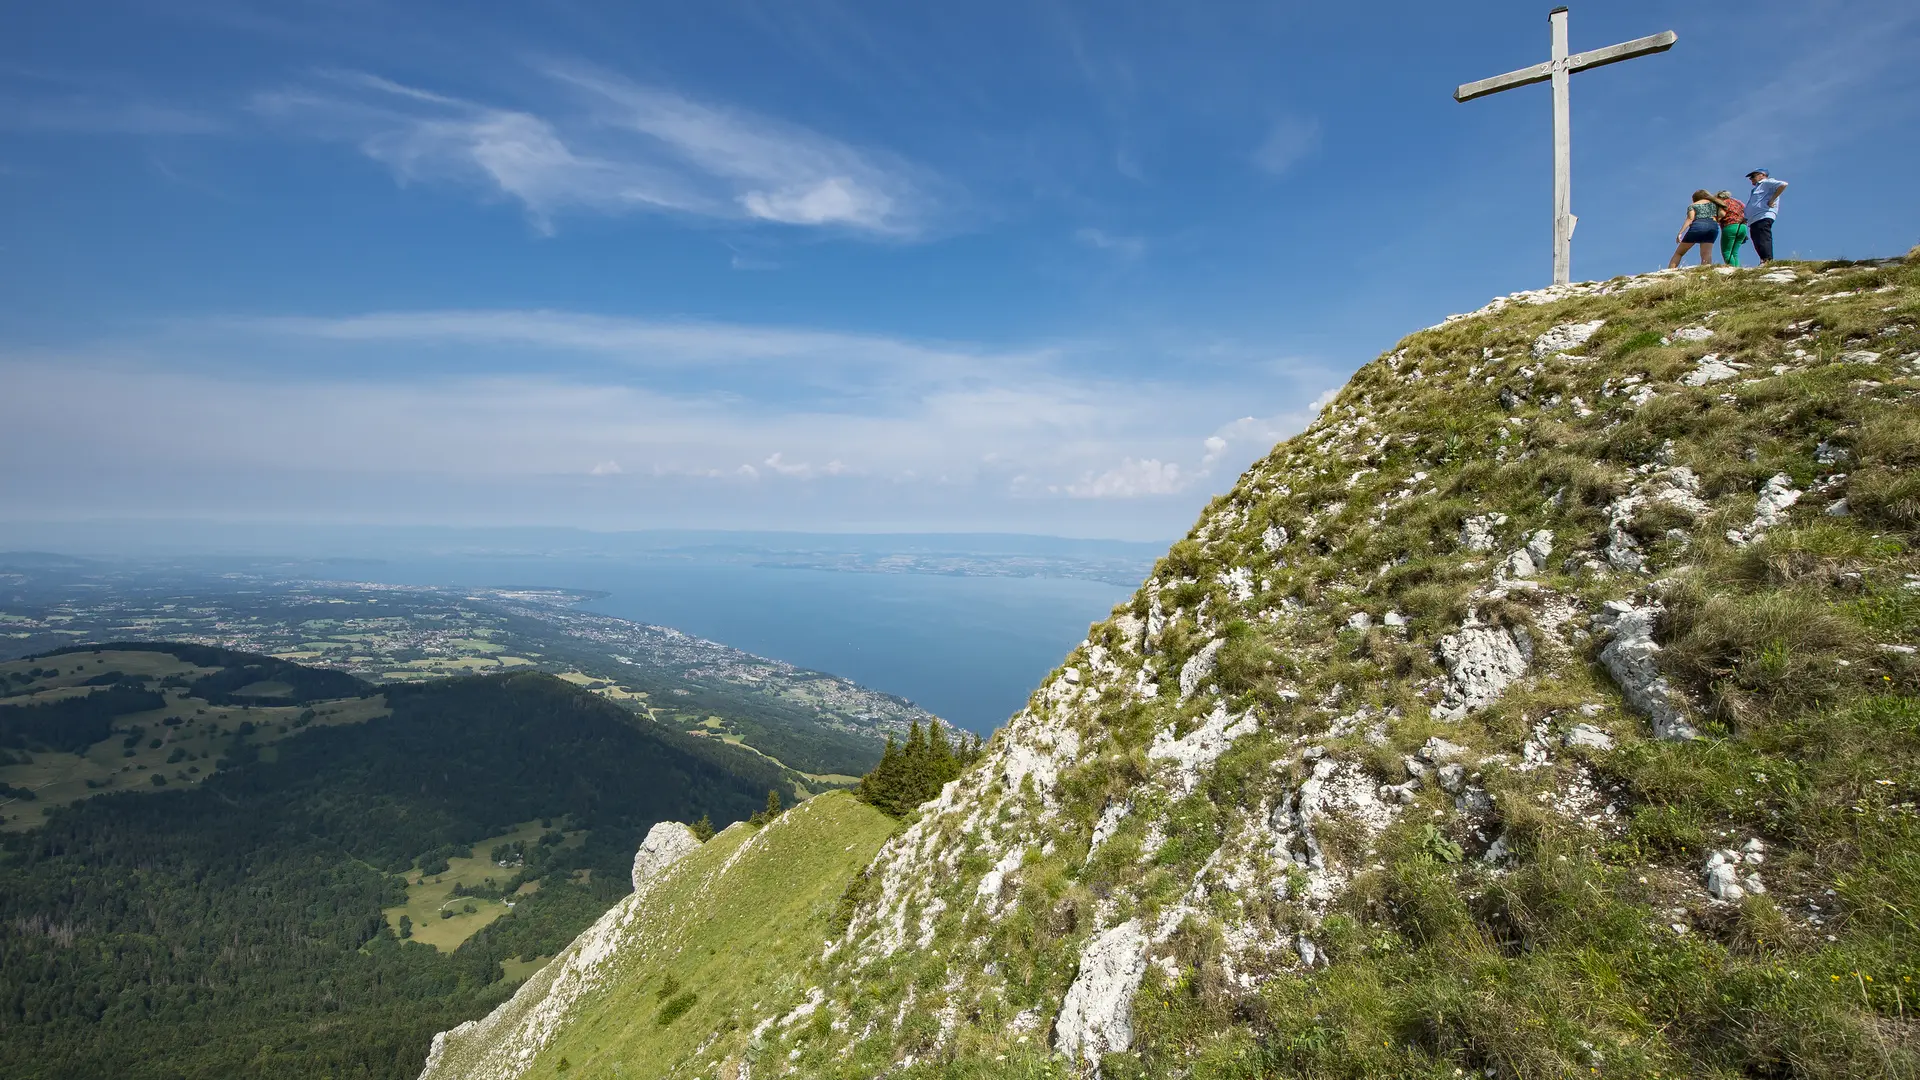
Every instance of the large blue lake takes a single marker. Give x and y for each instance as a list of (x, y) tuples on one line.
[(968, 648)]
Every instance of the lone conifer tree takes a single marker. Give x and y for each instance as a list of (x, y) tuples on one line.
[(767, 815)]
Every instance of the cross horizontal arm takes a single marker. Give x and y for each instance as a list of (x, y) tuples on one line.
[(1538, 73), (1613, 54)]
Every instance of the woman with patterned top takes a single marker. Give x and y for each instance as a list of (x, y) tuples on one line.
[(1699, 229)]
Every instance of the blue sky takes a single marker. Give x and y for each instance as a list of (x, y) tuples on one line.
[(1035, 266)]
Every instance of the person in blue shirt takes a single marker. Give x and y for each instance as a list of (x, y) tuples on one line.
[(1763, 205)]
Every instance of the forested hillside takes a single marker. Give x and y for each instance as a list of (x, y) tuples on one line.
[(245, 926)]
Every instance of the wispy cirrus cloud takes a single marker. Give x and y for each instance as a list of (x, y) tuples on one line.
[(609, 146), (1291, 140), (1128, 248)]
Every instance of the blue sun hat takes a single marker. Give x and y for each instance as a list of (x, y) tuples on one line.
[(1751, 173)]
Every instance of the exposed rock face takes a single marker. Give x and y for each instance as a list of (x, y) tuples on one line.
[(1202, 746), (1476, 534), (666, 843), (1198, 668), (1565, 337), (1770, 508), (1676, 487), (1630, 658), (1532, 559), (1481, 662), (1711, 369), (1588, 736), (1096, 1016)]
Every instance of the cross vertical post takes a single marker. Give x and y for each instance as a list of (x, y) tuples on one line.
[(1559, 70), (1562, 152)]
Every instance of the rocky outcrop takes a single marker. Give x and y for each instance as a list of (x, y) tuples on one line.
[(1481, 662), (667, 843), (1096, 1016), (1630, 657), (1565, 337), (514, 1033), (1770, 508)]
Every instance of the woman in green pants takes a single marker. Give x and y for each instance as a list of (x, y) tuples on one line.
[(1733, 227)]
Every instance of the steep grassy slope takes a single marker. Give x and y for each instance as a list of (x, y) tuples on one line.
[(690, 959), (1549, 708)]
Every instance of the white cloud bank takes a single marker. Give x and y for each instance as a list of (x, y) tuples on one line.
[(869, 423), (615, 146)]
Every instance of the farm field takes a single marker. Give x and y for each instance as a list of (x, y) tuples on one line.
[(439, 918)]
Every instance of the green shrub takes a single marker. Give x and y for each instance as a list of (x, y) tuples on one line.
[(675, 1008)]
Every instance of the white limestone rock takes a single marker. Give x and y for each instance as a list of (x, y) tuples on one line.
[(1776, 496), (667, 843), (1109, 823), (517, 1029), (1770, 508), (1239, 583), (1202, 746), (1476, 533), (1565, 337), (1532, 559), (1497, 852), (1710, 369), (1677, 487), (1588, 736), (1273, 539), (1630, 659), (1481, 662), (1693, 334), (1730, 872), (1199, 668), (1096, 1016), (990, 882)]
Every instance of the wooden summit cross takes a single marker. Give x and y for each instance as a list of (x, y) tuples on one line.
[(1560, 70)]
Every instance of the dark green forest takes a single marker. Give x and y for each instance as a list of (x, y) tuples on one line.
[(235, 929), (238, 671), (73, 724)]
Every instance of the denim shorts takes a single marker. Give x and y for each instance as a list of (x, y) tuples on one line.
[(1701, 232)]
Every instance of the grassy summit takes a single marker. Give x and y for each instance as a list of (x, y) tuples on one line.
[(1549, 708)]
